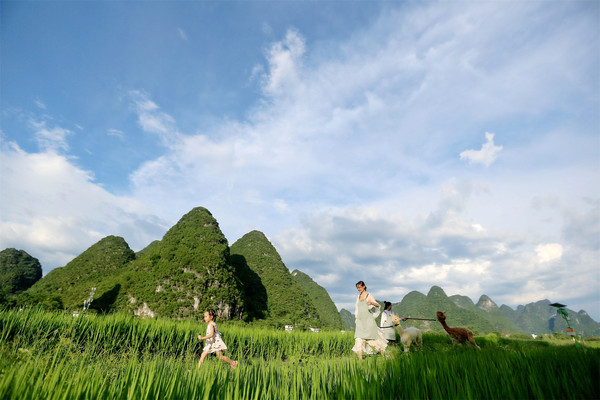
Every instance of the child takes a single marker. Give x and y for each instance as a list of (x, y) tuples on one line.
[(214, 343), (387, 322)]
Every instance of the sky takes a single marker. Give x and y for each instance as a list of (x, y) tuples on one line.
[(406, 144)]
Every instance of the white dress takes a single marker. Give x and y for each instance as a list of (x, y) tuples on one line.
[(387, 325), (367, 335), (215, 343)]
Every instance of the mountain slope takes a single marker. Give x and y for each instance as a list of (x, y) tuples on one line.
[(486, 316), (348, 318), (415, 304), (539, 317), (146, 249), (487, 309), (287, 302), (99, 266), (185, 273), (328, 313)]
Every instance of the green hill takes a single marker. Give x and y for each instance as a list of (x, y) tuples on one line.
[(18, 272), (328, 313), (147, 248), (100, 266), (487, 309), (348, 319), (486, 316), (255, 293), (580, 321), (539, 318), (185, 273), (463, 302), (287, 302), (417, 305)]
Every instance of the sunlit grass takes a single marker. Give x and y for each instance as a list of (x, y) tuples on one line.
[(55, 356)]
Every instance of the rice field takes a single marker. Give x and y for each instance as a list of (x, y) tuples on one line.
[(46, 355)]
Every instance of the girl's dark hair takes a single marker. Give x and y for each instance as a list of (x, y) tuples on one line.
[(361, 283), (386, 304), (211, 312)]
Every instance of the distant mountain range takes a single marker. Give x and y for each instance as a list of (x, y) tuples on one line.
[(193, 268), (485, 316)]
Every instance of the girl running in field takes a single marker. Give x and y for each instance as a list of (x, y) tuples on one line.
[(214, 343)]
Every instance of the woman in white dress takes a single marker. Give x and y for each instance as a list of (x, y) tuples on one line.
[(387, 324), (367, 335)]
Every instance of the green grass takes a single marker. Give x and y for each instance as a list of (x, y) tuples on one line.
[(55, 356)]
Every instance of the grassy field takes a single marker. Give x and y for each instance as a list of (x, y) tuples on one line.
[(47, 355)]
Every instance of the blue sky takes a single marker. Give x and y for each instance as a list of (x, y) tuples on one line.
[(406, 144)]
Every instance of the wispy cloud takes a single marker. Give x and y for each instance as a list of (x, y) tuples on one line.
[(152, 120), (182, 34), (285, 63), (40, 104), (50, 138), (116, 132)]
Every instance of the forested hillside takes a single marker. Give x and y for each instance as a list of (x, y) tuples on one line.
[(185, 273), (486, 316), (328, 312), (539, 317), (287, 302), (487, 309), (100, 267), (348, 318), (417, 305)]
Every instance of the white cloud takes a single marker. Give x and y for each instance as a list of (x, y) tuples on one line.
[(328, 279), (55, 211), (486, 156), (431, 272), (281, 205), (549, 252), (478, 228), (285, 63)]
